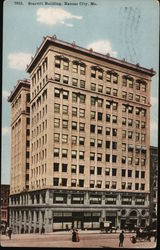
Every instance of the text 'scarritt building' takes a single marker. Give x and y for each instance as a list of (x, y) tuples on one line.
[(89, 141)]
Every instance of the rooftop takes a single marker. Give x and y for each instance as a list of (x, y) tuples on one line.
[(52, 40), (20, 83)]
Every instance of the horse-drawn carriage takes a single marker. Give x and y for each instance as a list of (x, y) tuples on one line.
[(107, 227), (143, 235)]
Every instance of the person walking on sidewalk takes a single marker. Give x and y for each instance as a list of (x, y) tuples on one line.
[(74, 235), (10, 233), (121, 239), (77, 236)]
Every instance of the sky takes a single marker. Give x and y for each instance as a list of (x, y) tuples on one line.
[(124, 28)]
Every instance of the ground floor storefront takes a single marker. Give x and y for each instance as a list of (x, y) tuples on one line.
[(56, 210)]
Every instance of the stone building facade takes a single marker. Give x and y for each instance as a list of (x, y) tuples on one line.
[(89, 141)]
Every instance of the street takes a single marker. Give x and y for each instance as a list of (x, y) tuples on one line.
[(92, 239)]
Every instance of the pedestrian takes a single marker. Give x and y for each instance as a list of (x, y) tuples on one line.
[(155, 236), (121, 239), (74, 235), (67, 229), (10, 233), (77, 236), (42, 230)]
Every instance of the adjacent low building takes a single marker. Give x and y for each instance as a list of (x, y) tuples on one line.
[(89, 157), (5, 191)]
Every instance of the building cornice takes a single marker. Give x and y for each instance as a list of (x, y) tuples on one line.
[(21, 83), (48, 41)]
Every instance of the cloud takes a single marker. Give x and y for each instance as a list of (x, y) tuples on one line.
[(154, 100), (154, 126), (52, 16), (103, 47), (5, 131), (5, 94), (19, 60)]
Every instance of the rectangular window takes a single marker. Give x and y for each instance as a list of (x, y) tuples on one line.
[(74, 125), (64, 167), (56, 137), (115, 92), (66, 65), (108, 117), (64, 153), (93, 86), (65, 124), (57, 77), (81, 127), (99, 129), (108, 76), (81, 155), (74, 140), (114, 171), (92, 128), (81, 112), (81, 140), (100, 75), (93, 73), (58, 63), (73, 169), (81, 169), (74, 82), (99, 116), (82, 70), (82, 84), (107, 171), (92, 169), (64, 182), (65, 95), (130, 96), (108, 91), (75, 68), (74, 154), (56, 123), (57, 108), (82, 98), (74, 97), (57, 93), (108, 130), (55, 181), (65, 79), (124, 94), (92, 142), (123, 172), (92, 156), (100, 88), (74, 111), (99, 157), (100, 102), (65, 109), (64, 138), (114, 119), (56, 167)]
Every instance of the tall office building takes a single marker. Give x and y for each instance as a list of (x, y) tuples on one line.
[(20, 136), (89, 141)]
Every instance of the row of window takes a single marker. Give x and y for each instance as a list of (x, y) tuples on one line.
[(108, 171), (108, 184), (97, 72), (108, 158), (40, 71), (100, 88), (99, 129), (94, 100)]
